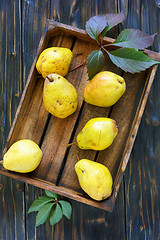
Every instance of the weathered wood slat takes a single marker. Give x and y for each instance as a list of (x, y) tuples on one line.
[(142, 177), (11, 68), (12, 210), (81, 11), (34, 16), (12, 217)]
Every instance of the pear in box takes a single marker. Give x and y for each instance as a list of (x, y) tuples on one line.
[(94, 178), (97, 134), (23, 156), (104, 89), (59, 96), (54, 60)]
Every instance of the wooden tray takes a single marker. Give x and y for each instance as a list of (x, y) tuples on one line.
[(56, 171)]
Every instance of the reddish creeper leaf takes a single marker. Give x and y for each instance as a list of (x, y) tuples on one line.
[(95, 26), (134, 38), (112, 20)]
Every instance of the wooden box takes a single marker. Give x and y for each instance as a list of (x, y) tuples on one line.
[(56, 170)]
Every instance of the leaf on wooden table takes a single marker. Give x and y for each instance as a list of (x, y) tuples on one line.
[(95, 62), (56, 215), (134, 38), (39, 202), (66, 208), (50, 194), (131, 60), (43, 213)]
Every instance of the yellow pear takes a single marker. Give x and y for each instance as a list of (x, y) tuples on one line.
[(23, 156), (94, 178), (54, 60), (104, 89), (97, 134), (59, 96)]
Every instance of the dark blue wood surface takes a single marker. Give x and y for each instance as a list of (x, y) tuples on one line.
[(136, 214)]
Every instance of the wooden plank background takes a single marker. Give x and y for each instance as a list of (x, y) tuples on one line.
[(136, 214)]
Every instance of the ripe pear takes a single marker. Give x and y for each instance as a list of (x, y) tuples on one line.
[(23, 156), (59, 96), (94, 178), (97, 134), (104, 89), (54, 60)]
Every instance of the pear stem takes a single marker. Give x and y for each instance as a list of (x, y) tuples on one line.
[(70, 144), (78, 66), (49, 79), (77, 158), (1, 161)]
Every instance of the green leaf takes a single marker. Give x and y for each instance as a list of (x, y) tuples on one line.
[(39, 202), (112, 20), (131, 60), (56, 215), (66, 208), (134, 38), (43, 213), (95, 62), (95, 26), (51, 194)]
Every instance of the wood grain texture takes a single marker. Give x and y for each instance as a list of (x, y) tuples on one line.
[(12, 209), (34, 16), (11, 65), (141, 178)]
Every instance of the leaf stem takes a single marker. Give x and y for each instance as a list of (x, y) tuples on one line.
[(1, 161), (77, 158), (101, 41), (70, 144), (102, 47), (107, 45)]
